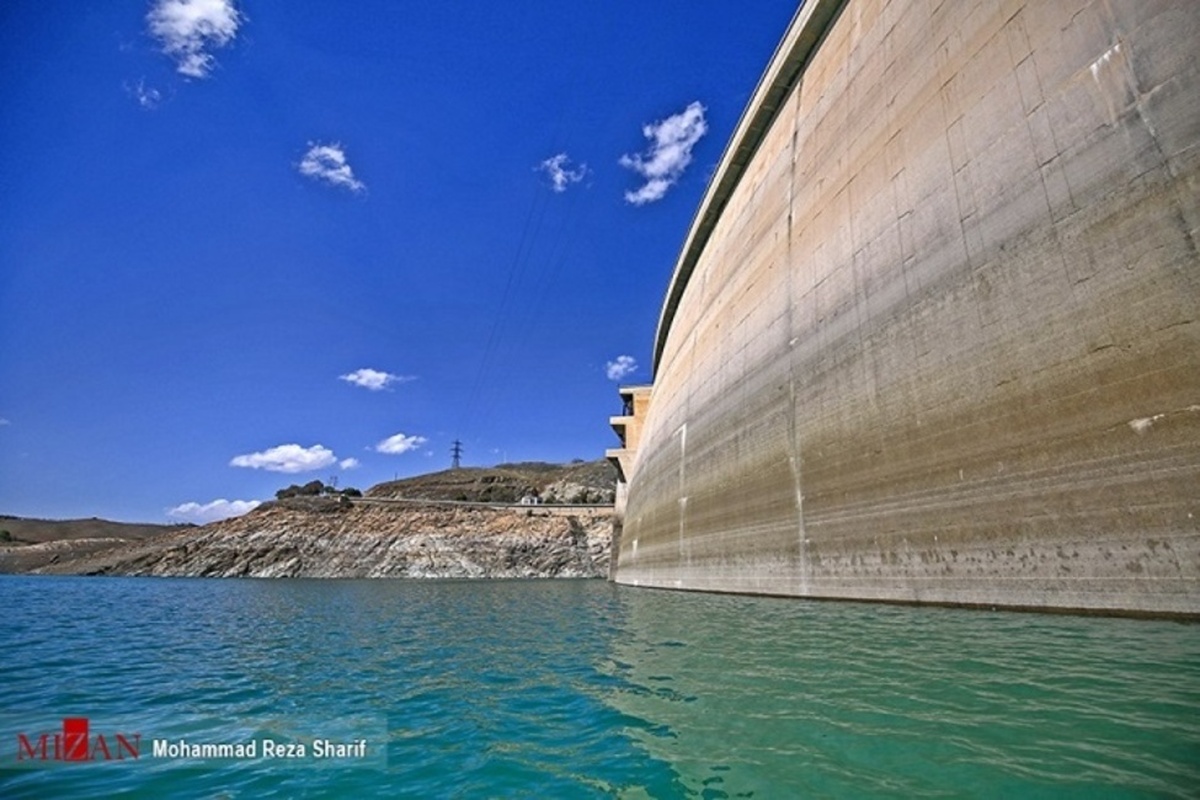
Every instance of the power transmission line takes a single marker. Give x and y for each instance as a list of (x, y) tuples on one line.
[(456, 455)]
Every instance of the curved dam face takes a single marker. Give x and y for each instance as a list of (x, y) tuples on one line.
[(933, 336)]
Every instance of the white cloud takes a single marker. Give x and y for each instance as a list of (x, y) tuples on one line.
[(561, 174), (185, 28), (327, 162), (146, 96), (290, 458), (395, 445), (620, 368), (348, 463), (670, 152), (373, 379), (211, 512)]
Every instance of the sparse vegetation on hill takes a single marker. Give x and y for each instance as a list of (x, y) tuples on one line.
[(592, 482)]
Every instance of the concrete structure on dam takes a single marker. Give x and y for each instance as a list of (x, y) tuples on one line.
[(933, 334)]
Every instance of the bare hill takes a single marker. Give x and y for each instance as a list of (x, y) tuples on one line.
[(34, 531), (26, 544)]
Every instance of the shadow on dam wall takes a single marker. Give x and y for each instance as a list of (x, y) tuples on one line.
[(933, 334)]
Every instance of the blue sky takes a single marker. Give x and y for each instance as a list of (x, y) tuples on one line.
[(250, 244)]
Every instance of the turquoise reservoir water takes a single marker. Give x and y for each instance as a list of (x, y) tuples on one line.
[(584, 689)]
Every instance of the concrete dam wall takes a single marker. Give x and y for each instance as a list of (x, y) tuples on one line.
[(933, 335)]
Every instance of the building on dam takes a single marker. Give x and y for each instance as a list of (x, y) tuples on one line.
[(934, 332)]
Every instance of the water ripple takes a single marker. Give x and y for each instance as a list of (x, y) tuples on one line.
[(583, 689)]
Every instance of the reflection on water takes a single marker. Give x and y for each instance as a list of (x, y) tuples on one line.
[(581, 688), (847, 699)]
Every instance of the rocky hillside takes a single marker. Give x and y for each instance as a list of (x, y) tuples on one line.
[(315, 537)]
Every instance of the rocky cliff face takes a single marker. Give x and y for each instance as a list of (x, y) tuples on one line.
[(325, 538)]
